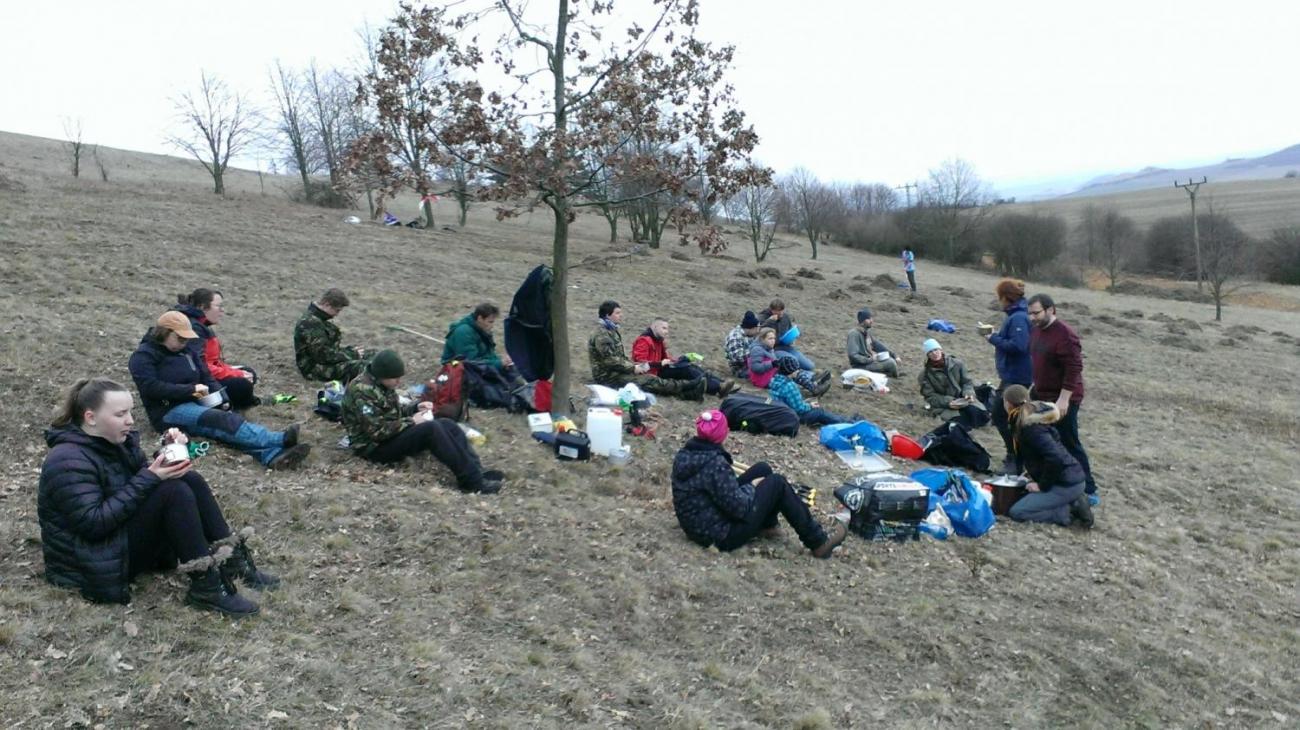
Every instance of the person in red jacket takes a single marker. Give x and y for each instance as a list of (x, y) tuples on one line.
[(205, 309), (1056, 359), (651, 348)]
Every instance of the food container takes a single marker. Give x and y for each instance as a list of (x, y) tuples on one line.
[(881, 356), (213, 399), (175, 453), (540, 423), (1006, 491), (790, 335), (905, 447)]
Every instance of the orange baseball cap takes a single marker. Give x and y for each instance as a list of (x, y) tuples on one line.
[(178, 323)]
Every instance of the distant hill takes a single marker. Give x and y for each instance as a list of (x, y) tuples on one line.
[(1267, 167)]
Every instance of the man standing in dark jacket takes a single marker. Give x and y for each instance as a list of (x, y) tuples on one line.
[(1057, 358), (1011, 356)]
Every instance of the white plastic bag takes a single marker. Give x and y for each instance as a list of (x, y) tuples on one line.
[(937, 525), (865, 380)]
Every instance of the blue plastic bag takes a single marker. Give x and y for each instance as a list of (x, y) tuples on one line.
[(844, 436), (941, 325), (790, 335), (961, 498)]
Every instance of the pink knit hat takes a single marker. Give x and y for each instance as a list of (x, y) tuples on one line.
[(712, 426)]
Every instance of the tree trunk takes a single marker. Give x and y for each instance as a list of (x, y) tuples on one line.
[(464, 210), (427, 206), (370, 202), (218, 181), (613, 227), (814, 247), (560, 306)]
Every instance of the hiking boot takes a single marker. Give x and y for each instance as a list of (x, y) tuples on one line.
[(834, 537), (821, 388), (491, 482), (291, 436), (241, 566), (290, 458), (728, 387), (824, 376), (209, 591), (1081, 512)]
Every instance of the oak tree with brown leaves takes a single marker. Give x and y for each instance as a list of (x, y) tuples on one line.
[(581, 100)]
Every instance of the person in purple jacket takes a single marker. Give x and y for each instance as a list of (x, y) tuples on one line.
[(1056, 356)]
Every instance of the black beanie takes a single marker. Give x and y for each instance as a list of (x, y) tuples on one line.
[(864, 314), (749, 321), (387, 364)]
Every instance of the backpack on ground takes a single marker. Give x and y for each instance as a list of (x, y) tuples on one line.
[(952, 445), (488, 388), (885, 506), (448, 392), (329, 401), (756, 415)]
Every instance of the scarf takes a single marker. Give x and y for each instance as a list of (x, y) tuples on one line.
[(604, 321)]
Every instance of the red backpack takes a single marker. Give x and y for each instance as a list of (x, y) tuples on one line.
[(448, 392)]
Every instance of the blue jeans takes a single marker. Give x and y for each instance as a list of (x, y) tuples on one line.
[(1050, 506), (229, 428), (793, 354)]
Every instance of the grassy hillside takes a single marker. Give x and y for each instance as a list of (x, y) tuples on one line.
[(572, 599), (1258, 206)]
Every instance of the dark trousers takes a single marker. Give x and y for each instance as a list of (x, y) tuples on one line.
[(772, 496), (176, 521), (686, 371), (820, 417), (1052, 505), (240, 392), (440, 437), (1068, 428), (911, 280)]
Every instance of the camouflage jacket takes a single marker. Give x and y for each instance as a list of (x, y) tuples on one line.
[(317, 351), (609, 363), (372, 414)]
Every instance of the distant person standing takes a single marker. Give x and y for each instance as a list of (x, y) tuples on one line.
[(909, 266), (1056, 356)]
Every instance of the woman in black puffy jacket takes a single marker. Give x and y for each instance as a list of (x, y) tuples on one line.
[(1057, 481), (109, 513)]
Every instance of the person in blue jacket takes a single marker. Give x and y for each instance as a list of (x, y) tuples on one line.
[(1056, 479), (714, 506), (172, 379), (1011, 356)]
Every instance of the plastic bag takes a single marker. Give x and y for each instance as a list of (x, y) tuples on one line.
[(860, 379), (844, 436), (936, 524), (967, 506)]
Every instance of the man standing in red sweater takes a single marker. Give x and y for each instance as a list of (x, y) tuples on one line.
[(1056, 356)]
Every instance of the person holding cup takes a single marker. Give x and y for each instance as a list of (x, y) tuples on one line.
[(178, 391), (383, 429), (109, 513)]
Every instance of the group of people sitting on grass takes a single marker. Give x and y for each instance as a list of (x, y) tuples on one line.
[(109, 512)]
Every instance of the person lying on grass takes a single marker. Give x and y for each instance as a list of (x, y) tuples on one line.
[(172, 380), (1056, 492), (651, 348), (714, 506), (764, 371), (317, 347), (384, 430), (109, 513), (205, 309)]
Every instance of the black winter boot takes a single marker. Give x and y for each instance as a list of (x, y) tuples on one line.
[(210, 591)]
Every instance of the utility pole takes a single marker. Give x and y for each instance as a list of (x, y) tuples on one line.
[(1191, 188), (909, 187)]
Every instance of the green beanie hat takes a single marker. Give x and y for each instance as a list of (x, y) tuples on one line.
[(387, 364)]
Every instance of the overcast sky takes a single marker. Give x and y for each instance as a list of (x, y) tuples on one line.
[(852, 89)]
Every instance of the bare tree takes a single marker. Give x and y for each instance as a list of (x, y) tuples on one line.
[(328, 101), (218, 124), (1225, 255), (593, 89), (815, 205), (1116, 239), (100, 164), (291, 132), (1089, 231), (956, 201), (74, 145), (754, 207)]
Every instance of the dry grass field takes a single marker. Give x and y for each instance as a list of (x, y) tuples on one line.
[(1258, 206), (572, 599)]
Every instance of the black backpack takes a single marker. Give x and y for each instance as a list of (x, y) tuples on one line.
[(756, 415), (952, 445)]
